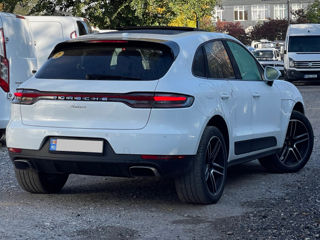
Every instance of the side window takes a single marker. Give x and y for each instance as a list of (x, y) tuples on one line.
[(248, 67), (81, 28), (219, 65), (198, 66)]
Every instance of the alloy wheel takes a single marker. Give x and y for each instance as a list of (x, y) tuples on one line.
[(215, 165)]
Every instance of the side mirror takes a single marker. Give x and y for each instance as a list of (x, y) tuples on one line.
[(271, 74)]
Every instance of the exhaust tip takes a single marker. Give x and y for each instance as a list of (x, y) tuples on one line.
[(143, 171), (22, 164)]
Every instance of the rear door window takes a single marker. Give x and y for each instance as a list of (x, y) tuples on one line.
[(96, 61), (219, 65)]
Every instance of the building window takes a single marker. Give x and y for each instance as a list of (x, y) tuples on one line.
[(260, 12), (217, 14), (240, 14), (280, 11)]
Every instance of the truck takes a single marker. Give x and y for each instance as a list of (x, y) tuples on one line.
[(302, 52)]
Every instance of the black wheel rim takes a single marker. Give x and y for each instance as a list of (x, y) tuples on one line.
[(296, 144), (215, 165)]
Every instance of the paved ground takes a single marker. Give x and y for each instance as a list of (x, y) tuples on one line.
[(255, 204)]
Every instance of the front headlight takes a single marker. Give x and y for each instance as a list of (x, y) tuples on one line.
[(291, 62)]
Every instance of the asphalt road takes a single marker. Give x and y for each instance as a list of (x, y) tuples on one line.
[(255, 204)]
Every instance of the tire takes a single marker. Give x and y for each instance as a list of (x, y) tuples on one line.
[(296, 149), (204, 183), (36, 182)]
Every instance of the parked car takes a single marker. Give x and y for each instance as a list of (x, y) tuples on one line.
[(48, 31), (302, 52), (17, 61), (169, 102), (269, 57)]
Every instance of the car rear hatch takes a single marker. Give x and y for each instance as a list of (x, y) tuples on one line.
[(96, 84)]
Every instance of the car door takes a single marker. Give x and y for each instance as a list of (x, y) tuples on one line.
[(220, 95), (265, 99)]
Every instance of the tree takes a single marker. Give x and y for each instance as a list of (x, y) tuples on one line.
[(271, 30), (104, 14), (10, 5), (183, 12), (313, 12), (233, 29)]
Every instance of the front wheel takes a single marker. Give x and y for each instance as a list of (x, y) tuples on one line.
[(296, 149), (204, 183)]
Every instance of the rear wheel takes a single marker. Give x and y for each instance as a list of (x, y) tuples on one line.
[(204, 183), (37, 182), (296, 149)]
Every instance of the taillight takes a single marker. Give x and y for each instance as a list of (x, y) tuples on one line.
[(73, 35), (134, 100), (4, 64)]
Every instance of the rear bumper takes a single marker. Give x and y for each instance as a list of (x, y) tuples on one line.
[(106, 164)]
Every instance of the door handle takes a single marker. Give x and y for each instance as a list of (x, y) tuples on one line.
[(256, 95), (225, 96)]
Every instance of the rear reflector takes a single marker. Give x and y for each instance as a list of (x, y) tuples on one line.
[(15, 150), (134, 100)]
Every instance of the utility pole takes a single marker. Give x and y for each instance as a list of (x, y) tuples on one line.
[(288, 7)]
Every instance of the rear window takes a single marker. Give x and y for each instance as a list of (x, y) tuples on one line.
[(96, 61)]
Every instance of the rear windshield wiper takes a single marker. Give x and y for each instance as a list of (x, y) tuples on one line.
[(107, 77)]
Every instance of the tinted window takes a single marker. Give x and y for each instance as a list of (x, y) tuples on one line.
[(247, 64), (304, 44), (198, 67), (219, 64), (81, 28), (102, 62)]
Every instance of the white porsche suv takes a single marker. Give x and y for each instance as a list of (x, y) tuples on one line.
[(169, 102)]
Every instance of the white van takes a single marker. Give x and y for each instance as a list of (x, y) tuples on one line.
[(302, 52), (17, 60), (48, 31)]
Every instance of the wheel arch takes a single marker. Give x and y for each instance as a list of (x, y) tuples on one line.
[(298, 107), (219, 122)]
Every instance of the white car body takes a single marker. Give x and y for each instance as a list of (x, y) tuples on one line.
[(18, 50), (136, 131), (298, 63), (154, 102), (48, 31)]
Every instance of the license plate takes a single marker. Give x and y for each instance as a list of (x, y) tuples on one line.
[(76, 145), (310, 76)]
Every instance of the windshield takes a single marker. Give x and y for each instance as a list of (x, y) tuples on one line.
[(304, 44), (263, 54), (108, 62)]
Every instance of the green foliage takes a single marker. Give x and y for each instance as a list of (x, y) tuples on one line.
[(313, 12), (104, 14), (162, 12), (10, 5)]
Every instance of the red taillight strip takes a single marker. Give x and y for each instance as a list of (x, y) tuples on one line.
[(135, 100), (169, 98)]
